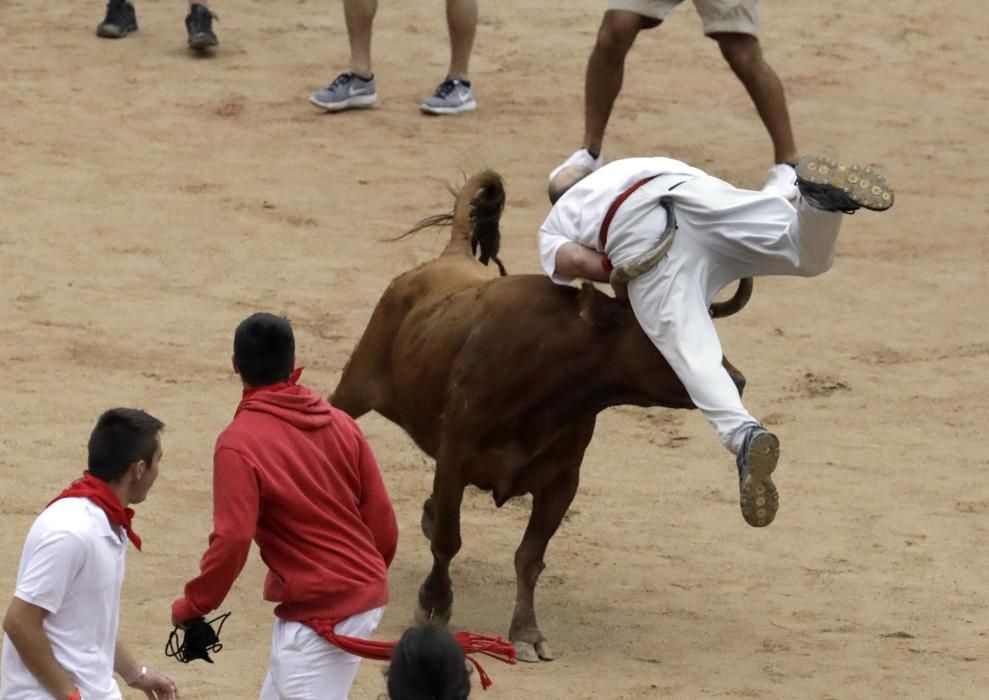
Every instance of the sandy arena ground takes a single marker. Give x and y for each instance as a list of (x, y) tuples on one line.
[(151, 200)]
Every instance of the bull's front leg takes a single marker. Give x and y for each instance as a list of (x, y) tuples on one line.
[(436, 592), (428, 517)]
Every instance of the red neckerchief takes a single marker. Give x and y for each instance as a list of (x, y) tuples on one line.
[(97, 491)]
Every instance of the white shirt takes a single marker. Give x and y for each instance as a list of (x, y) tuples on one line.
[(577, 215), (72, 565)]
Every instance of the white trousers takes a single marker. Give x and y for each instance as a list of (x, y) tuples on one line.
[(304, 666), (723, 235)]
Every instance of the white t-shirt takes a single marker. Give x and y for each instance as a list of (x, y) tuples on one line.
[(577, 215), (72, 565)]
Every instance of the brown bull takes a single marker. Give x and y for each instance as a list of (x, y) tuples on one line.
[(500, 380)]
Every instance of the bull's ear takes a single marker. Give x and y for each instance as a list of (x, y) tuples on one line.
[(598, 309)]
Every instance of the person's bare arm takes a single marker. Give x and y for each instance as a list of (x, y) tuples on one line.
[(574, 260), (155, 685), (125, 665), (24, 624)]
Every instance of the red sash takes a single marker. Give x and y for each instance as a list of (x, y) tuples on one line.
[(612, 210), (495, 647)]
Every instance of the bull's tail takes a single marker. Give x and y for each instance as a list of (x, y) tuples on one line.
[(475, 219)]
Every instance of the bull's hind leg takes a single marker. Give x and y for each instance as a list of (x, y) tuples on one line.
[(358, 390), (352, 401), (549, 505), (366, 383), (548, 508), (436, 592)]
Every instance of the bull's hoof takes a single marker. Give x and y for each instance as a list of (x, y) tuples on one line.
[(432, 617), (533, 653), (542, 648)]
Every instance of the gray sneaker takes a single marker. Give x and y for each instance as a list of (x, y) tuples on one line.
[(756, 463), (347, 91), (452, 96)]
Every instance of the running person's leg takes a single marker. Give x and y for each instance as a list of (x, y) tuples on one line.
[(359, 17), (455, 94), (620, 25), (354, 88), (750, 233), (304, 665), (725, 234), (734, 24), (753, 233), (669, 303)]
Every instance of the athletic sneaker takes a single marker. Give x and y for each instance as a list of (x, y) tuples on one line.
[(347, 91), (199, 24), (832, 186), (756, 462), (782, 182), (581, 157), (120, 20), (452, 96)]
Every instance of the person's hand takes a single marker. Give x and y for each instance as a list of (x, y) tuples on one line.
[(157, 686), (200, 637)]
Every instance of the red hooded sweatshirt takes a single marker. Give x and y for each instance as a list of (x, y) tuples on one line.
[(297, 476)]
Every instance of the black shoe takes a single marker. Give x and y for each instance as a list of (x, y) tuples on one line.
[(199, 24), (756, 463), (120, 20), (831, 186)]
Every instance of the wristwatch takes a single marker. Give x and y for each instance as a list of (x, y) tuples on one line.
[(140, 677)]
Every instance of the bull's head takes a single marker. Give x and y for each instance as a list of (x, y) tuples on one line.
[(641, 373)]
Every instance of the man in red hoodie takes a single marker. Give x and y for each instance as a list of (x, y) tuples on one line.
[(296, 476)]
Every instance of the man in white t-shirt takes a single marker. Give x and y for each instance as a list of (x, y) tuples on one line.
[(671, 236), (60, 630)]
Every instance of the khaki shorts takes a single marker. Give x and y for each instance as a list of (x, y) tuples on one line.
[(719, 16)]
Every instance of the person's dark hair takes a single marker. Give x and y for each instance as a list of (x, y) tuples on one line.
[(121, 437), (264, 349), (428, 664)]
